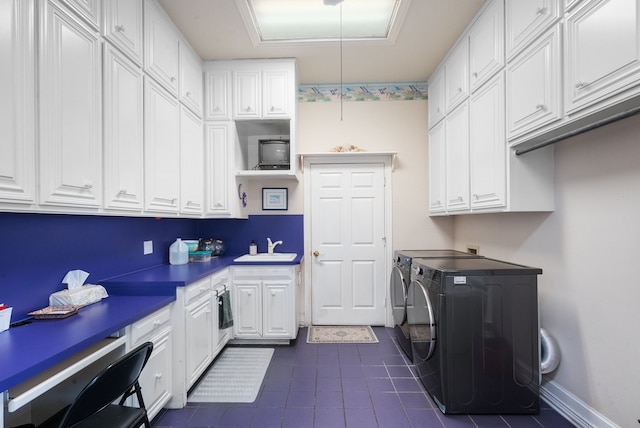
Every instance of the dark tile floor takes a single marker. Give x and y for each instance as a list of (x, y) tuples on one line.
[(338, 386)]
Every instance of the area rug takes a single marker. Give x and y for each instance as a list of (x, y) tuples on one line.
[(341, 334), (235, 377)]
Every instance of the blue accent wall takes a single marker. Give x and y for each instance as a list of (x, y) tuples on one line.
[(37, 250), (237, 234)]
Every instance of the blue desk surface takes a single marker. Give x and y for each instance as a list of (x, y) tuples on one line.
[(27, 350)]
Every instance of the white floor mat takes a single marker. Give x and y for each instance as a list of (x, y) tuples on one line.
[(235, 377)]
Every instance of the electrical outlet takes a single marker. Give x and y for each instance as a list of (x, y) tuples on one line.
[(148, 247), (473, 249)]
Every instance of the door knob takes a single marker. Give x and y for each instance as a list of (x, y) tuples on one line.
[(316, 253)]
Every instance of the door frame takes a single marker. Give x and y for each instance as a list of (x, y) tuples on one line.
[(307, 161)]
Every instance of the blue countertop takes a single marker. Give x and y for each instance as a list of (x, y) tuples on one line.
[(29, 349)]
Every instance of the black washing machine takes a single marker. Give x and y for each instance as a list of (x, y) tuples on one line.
[(474, 334), (399, 285)]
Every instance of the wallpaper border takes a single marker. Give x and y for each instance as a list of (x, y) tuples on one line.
[(407, 91)]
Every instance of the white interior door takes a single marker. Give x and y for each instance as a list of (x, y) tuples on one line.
[(348, 273)]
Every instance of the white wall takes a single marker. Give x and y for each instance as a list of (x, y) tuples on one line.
[(589, 291), (399, 126)]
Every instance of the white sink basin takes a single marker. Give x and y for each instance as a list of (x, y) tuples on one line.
[(265, 257)]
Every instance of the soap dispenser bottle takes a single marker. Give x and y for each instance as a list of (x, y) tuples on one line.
[(253, 248), (178, 253)]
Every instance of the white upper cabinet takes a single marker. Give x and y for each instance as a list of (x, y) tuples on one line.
[(89, 10), (486, 44), (602, 43), (161, 51), (437, 174), (17, 103), (70, 111), (534, 86), (457, 158), (217, 94), (436, 97), (264, 90), (191, 163), (456, 72), (123, 132), (162, 149), (277, 84), (123, 27), (224, 191), (526, 20), (247, 94), (487, 148), (190, 79)]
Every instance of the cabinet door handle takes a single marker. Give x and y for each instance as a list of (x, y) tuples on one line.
[(475, 74), (581, 85), (122, 192), (159, 375), (541, 107), (541, 11), (119, 28), (88, 186)]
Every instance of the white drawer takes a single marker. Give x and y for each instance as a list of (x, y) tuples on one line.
[(197, 289), (147, 327)]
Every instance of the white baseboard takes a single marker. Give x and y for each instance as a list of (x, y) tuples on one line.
[(572, 408)]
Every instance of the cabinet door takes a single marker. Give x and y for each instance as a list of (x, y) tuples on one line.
[(487, 145), (486, 44), (217, 159), (17, 104), (191, 163), (218, 95), (162, 149), (70, 111), (161, 47), (156, 378), (247, 301), (198, 324), (123, 132), (190, 79), (456, 70), (526, 20), (437, 177), (436, 98), (276, 307), (533, 86), (276, 94), (123, 26), (602, 50), (457, 158), (247, 99), (89, 10)]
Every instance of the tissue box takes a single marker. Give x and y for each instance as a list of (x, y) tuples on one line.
[(5, 318), (85, 295)]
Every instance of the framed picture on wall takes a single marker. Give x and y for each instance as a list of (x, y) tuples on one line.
[(275, 198)]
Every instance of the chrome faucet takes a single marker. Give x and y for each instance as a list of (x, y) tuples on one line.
[(272, 245)]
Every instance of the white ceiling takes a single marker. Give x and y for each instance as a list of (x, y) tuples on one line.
[(215, 29)]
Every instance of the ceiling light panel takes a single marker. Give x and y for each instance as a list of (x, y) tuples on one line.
[(298, 20)]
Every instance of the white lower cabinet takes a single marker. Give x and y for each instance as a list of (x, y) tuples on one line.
[(156, 378), (264, 302), (197, 339)]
